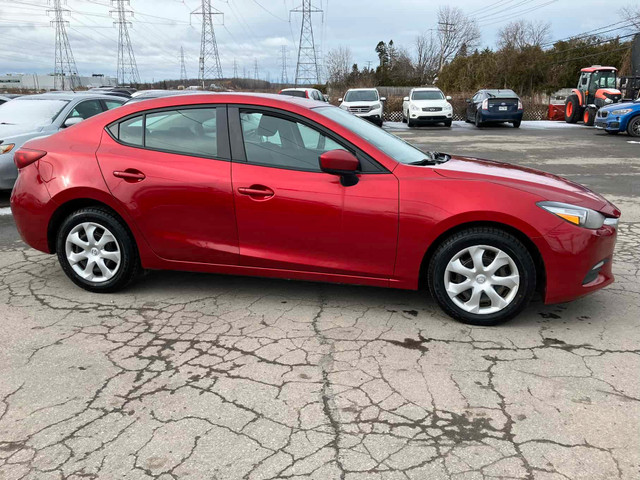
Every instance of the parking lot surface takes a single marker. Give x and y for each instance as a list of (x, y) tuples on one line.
[(192, 376)]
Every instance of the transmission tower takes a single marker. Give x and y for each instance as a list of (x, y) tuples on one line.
[(284, 77), (127, 68), (183, 68), (255, 70), (210, 67), (307, 69), (65, 64), (235, 68)]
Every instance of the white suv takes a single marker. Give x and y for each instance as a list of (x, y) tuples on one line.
[(365, 103), (312, 93), (427, 105)]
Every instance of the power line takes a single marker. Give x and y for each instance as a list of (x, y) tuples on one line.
[(210, 67), (307, 70), (65, 64), (127, 71)]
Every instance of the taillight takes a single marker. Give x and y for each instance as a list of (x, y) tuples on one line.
[(26, 156), (485, 104), (306, 92), (519, 105)]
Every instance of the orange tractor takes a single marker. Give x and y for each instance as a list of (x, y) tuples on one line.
[(597, 88)]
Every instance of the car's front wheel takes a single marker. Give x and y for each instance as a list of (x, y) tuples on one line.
[(96, 250), (634, 127), (482, 276), (479, 123)]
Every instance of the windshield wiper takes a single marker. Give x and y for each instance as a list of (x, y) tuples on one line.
[(435, 158)]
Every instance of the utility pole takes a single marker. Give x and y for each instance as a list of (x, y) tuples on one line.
[(307, 69), (127, 71), (65, 64), (210, 66), (284, 77), (183, 68)]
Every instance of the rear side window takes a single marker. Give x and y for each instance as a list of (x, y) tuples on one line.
[(189, 131), (111, 104)]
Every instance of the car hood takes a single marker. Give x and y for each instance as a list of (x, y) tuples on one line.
[(547, 186), (618, 106), (429, 103), (8, 131), (367, 103)]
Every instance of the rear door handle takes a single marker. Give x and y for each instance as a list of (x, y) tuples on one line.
[(259, 191), (130, 175)]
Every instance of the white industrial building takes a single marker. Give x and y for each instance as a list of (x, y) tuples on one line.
[(17, 81)]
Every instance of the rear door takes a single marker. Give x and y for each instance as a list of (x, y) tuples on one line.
[(293, 216), (171, 170)]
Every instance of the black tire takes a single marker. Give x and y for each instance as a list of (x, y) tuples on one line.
[(410, 124), (379, 123), (517, 123), (589, 116), (491, 237), (479, 123), (404, 119), (633, 128), (447, 123), (129, 267), (573, 112)]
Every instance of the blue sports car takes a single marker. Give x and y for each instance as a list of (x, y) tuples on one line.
[(620, 117)]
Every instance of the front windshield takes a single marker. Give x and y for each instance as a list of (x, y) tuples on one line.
[(361, 96), (427, 95), (30, 111), (397, 149), (604, 79)]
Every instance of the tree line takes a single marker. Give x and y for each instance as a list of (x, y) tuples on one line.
[(524, 59)]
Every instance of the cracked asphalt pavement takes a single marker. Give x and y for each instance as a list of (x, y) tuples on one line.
[(194, 376)]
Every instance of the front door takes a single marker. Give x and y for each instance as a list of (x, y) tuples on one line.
[(292, 216), (171, 170)]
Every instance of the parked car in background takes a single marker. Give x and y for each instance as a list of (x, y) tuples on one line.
[(495, 106), (33, 116), (275, 186), (311, 93), (150, 94), (115, 91), (364, 103), (5, 97), (427, 105), (620, 117)]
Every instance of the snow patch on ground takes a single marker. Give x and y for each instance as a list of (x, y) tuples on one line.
[(5, 211), (526, 125)]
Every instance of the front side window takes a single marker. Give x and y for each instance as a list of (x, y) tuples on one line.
[(275, 141), (86, 109), (111, 104)]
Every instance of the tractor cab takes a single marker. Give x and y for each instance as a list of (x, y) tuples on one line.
[(597, 87)]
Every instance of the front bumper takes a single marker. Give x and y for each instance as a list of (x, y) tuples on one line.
[(8, 171), (578, 261), (431, 117), (375, 116), (611, 123)]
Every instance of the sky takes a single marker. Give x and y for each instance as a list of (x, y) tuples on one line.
[(255, 30)]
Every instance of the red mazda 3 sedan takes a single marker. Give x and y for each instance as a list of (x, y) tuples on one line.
[(278, 186)]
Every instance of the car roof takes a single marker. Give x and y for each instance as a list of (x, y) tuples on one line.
[(298, 89), (595, 68), (427, 89), (362, 89), (70, 96)]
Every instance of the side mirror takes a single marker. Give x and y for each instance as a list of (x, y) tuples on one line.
[(468, 100), (326, 97), (340, 99), (69, 122), (383, 99), (448, 98), (340, 162), (405, 99)]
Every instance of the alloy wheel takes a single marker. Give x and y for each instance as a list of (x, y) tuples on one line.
[(93, 252), (481, 279)]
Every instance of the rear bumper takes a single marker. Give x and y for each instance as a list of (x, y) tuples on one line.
[(578, 261), (487, 116), (32, 208)]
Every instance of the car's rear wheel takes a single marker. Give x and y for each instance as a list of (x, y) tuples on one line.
[(97, 251), (517, 123), (482, 276), (634, 127)]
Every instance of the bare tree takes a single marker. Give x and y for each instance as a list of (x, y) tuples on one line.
[(427, 57), (523, 33), (455, 31), (631, 13), (338, 63)]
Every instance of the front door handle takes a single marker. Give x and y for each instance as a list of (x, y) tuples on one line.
[(256, 191), (130, 175)]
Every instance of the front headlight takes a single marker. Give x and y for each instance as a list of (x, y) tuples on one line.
[(414, 108), (375, 106), (581, 216), (622, 111), (448, 107), (6, 148), (344, 107)]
